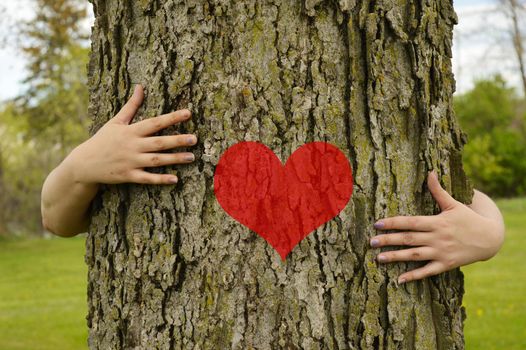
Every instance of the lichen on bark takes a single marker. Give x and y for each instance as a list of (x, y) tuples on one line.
[(169, 269)]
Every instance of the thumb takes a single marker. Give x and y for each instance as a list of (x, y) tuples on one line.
[(444, 199), (131, 107)]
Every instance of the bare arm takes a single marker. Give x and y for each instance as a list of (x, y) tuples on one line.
[(484, 205), (65, 201), (117, 153)]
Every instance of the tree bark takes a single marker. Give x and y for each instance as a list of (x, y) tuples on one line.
[(168, 269)]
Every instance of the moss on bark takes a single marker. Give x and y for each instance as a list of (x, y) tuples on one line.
[(169, 269)]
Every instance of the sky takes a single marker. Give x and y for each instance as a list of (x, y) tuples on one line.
[(480, 47)]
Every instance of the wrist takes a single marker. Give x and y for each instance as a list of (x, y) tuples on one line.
[(75, 167)]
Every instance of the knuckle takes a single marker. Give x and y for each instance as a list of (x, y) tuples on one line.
[(159, 144), (446, 236), (450, 263), (448, 243), (388, 223), (408, 239), (180, 140), (155, 161), (415, 255), (446, 225), (440, 224), (157, 124), (124, 174), (173, 118)]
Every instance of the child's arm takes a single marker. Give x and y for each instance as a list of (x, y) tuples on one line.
[(459, 235), (117, 153)]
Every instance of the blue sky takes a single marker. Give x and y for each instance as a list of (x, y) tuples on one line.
[(471, 58)]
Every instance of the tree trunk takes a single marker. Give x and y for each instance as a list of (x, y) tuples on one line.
[(169, 269), (517, 38)]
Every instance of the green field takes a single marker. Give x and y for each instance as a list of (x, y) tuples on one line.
[(495, 298), (43, 292)]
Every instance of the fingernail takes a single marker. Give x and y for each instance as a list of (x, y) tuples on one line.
[(189, 158), (401, 280), (174, 180), (381, 258), (191, 140), (379, 224), (375, 243)]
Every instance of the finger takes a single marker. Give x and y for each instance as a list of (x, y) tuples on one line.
[(162, 143), (401, 238), (153, 125), (144, 177), (444, 199), (413, 223), (150, 160), (431, 269), (413, 254), (131, 107)]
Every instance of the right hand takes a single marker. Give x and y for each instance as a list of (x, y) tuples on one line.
[(119, 152)]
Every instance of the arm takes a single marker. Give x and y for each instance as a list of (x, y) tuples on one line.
[(483, 205), (117, 153), (65, 201), (458, 236)]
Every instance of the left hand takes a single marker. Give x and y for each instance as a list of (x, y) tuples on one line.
[(457, 236)]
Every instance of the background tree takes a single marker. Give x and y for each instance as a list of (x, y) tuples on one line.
[(493, 116), (41, 126), (169, 269), (55, 46), (514, 11), (3, 217)]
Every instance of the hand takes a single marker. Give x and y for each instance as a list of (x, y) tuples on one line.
[(119, 152), (457, 236)]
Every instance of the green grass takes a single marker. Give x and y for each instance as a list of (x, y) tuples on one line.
[(495, 297), (43, 292)]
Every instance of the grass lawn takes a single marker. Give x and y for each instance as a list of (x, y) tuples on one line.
[(43, 292), (495, 297)]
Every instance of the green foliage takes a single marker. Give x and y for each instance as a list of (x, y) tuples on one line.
[(494, 157), (39, 128), (56, 50), (48, 41)]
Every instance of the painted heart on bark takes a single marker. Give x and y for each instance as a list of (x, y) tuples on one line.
[(283, 204)]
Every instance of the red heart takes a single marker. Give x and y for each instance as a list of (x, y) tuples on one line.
[(283, 204)]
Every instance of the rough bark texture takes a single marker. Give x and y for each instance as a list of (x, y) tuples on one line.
[(169, 269)]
